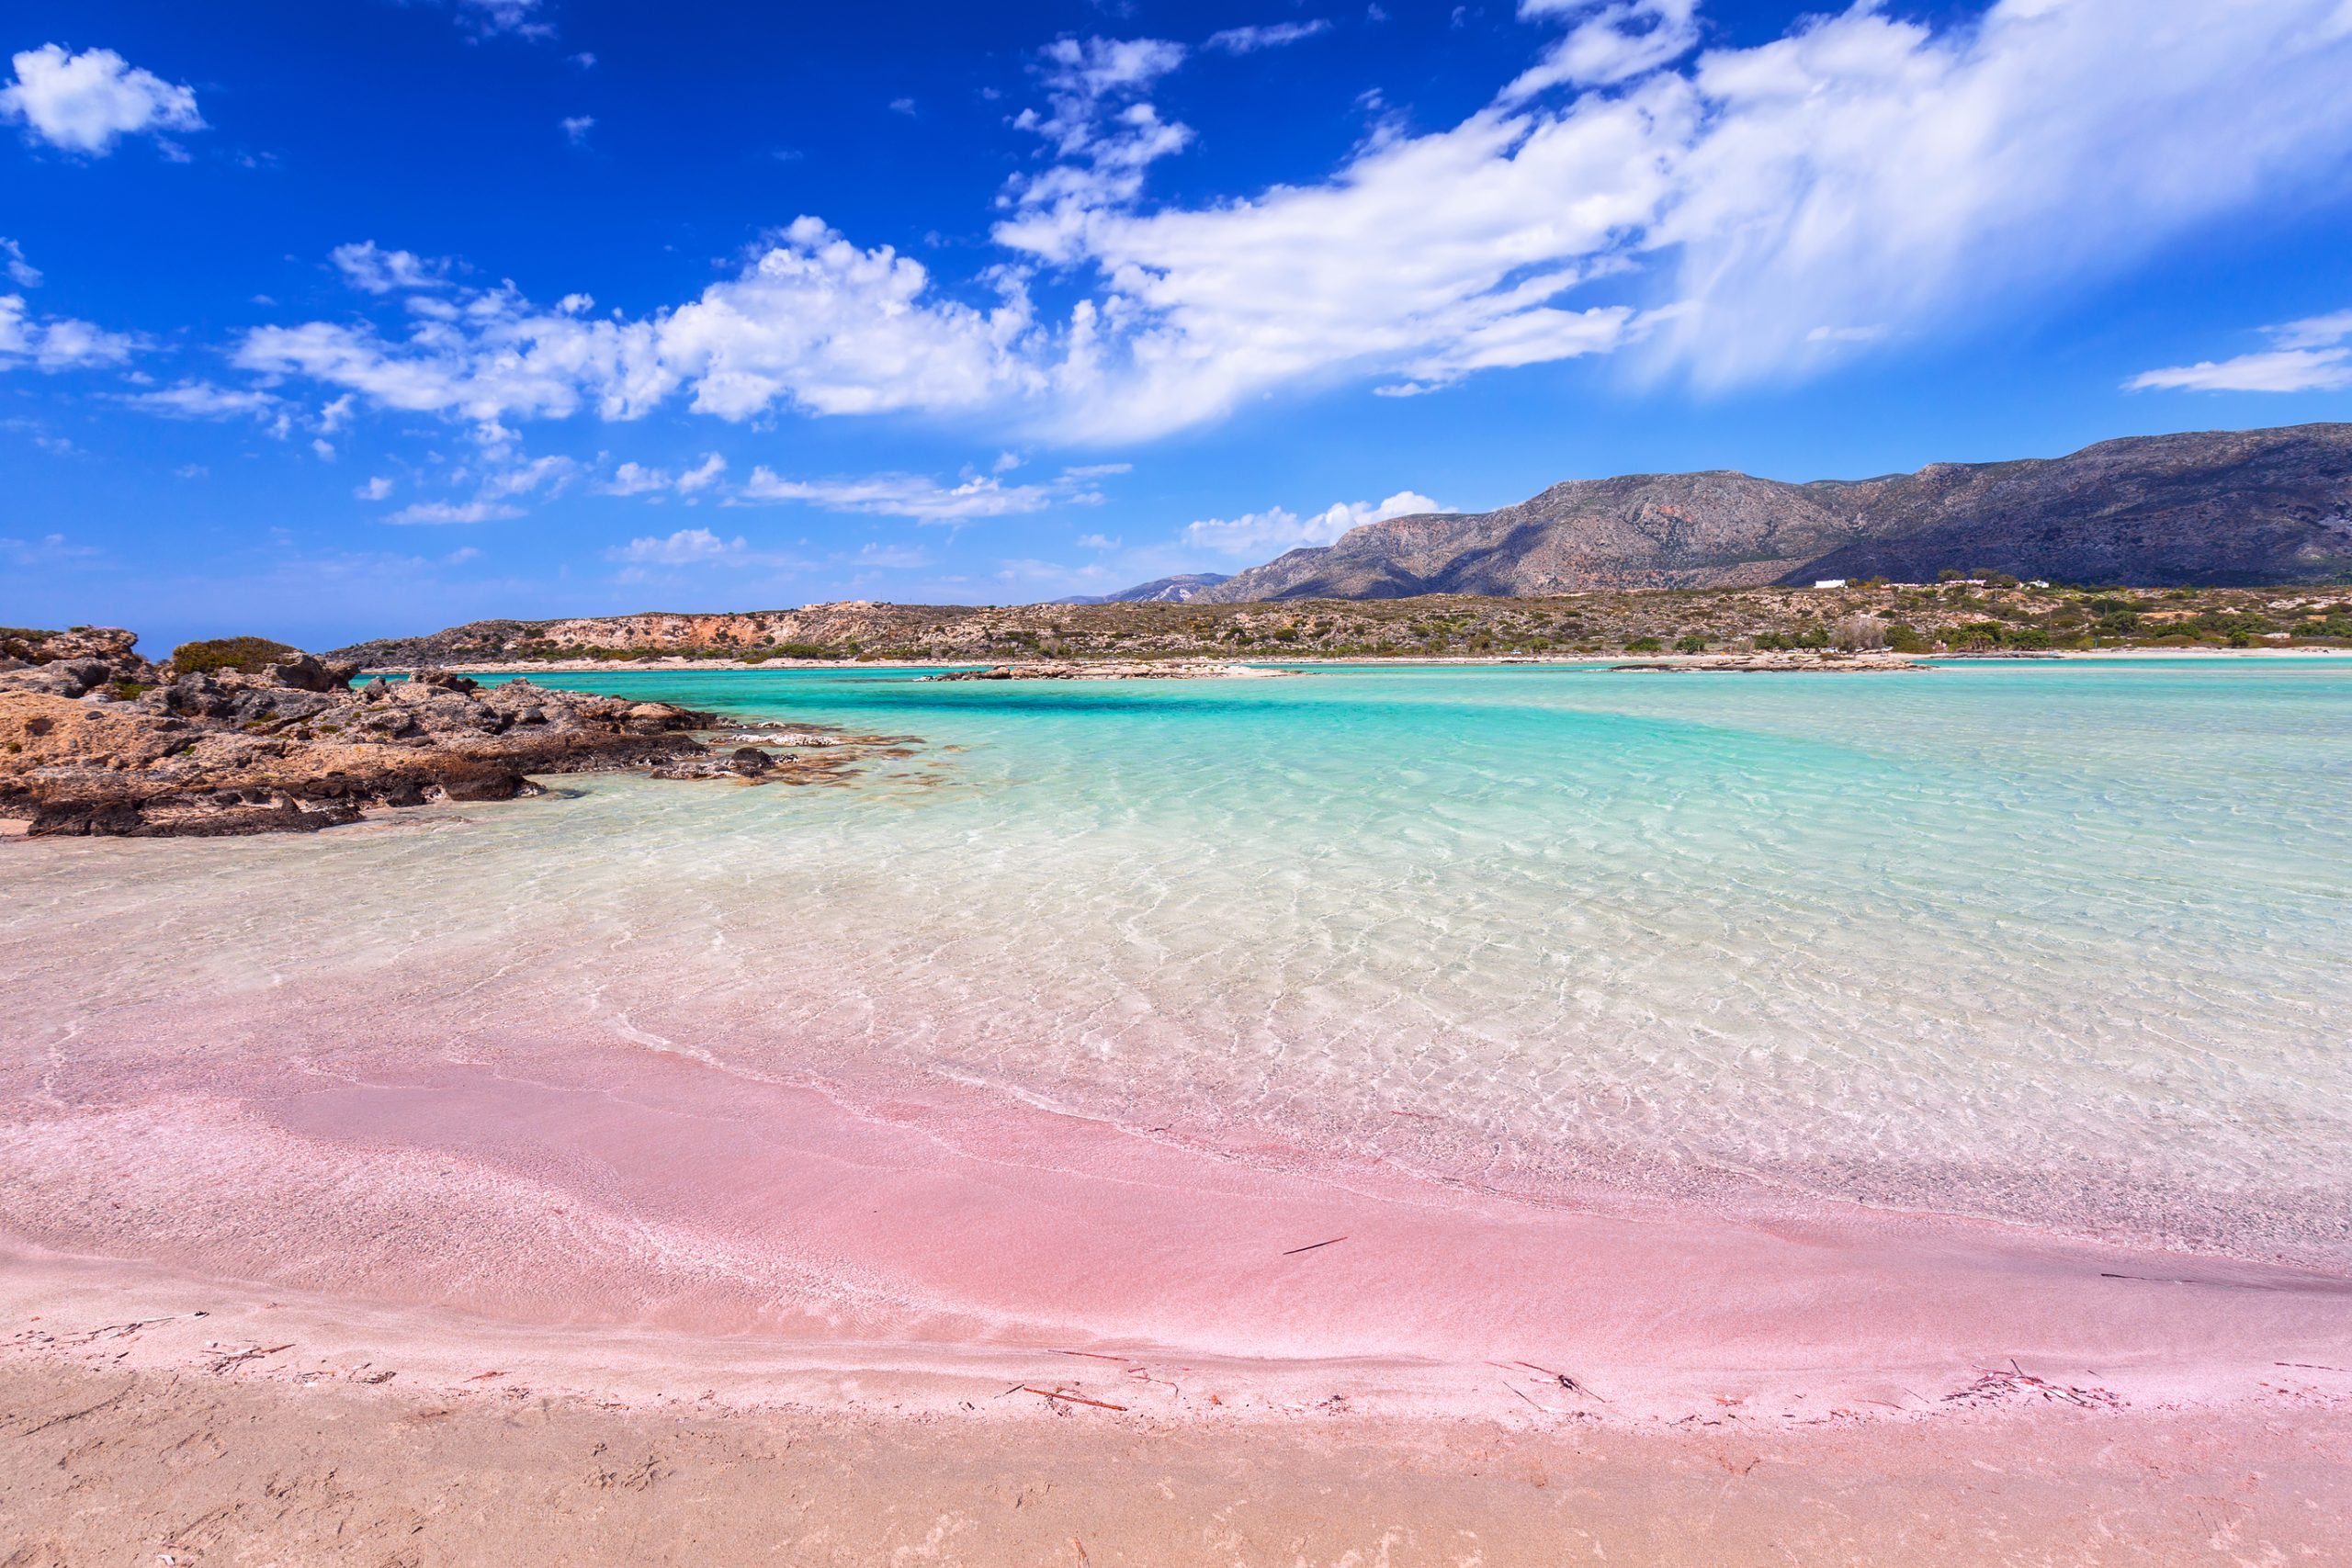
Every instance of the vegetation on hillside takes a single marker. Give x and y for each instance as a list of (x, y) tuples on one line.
[(1985, 615)]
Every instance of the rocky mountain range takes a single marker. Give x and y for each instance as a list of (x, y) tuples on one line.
[(2217, 508), (1181, 589)]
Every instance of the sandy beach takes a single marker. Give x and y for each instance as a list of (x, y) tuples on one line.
[(1008, 1157), (1037, 1331)]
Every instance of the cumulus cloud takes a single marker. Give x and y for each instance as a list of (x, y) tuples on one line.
[(1250, 41), (1726, 217), (577, 127), (86, 102), (2310, 355), (1277, 528), (56, 342), (377, 488)]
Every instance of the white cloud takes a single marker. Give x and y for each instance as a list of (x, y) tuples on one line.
[(922, 499), (577, 127), (1277, 528), (1097, 542), (56, 342), (435, 513), (1611, 41), (21, 271), (377, 488), (687, 546), (84, 103), (703, 475), (1103, 133), (1745, 214), (1250, 41), (520, 18), (2310, 355), (636, 478), (366, 265), (203, 399)]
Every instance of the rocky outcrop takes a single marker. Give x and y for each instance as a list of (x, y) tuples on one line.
[(294, 749), (71, 663), (2216, 509)]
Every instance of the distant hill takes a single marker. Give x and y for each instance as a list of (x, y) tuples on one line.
[(1181, 590), (2219, 509)]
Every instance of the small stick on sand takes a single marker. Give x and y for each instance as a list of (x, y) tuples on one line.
[(1310, 1247), (1565, 1380), (1073, 1398)]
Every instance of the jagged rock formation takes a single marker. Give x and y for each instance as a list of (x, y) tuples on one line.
[(2222, 509), (96, 740)]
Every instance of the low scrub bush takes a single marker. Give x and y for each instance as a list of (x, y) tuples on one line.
[(246, 655)]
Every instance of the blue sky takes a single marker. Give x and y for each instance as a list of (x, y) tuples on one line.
[(326, 319)]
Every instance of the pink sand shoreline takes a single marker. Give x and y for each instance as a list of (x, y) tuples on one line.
[(628, 1225)]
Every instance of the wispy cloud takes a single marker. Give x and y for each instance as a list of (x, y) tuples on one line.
[(435, 513), (923, 499), (1250, 41), (2310, 355)]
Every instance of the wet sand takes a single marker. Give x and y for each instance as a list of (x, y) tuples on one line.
[(662, 1211)]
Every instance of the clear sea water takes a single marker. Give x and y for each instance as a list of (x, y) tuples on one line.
[(2062, 944)]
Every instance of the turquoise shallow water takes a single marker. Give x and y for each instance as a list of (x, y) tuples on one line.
[(2065, 943)]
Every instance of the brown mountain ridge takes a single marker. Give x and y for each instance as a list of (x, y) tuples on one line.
[(2216, 509)]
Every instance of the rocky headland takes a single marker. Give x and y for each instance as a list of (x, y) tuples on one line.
[(95, 740)]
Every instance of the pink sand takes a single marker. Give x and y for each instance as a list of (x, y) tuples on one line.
[(645, 1200)]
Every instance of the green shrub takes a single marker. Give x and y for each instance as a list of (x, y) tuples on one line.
[(124, 691), (1645, 645), (246, 655), (1904, 637), (1691, 642)]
